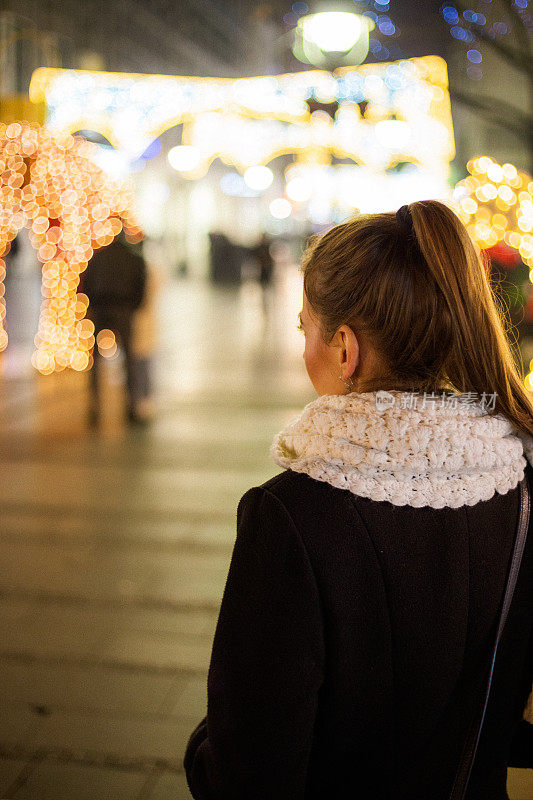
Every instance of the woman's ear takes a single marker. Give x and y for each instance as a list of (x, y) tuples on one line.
[(348, 350)]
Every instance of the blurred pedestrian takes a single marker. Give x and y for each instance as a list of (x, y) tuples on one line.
[(144, 337), (115, 283), (264, 257)]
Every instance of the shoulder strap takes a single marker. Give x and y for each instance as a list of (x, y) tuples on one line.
[(469, 751)]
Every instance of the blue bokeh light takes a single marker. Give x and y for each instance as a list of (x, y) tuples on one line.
[(500, 27), (457, 32), (474, 56), (290, 18), (473, 16), (386, 26), (450, 15), (300, 8), (474, 73)]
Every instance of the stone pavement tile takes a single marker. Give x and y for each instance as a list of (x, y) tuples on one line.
[(112, 489), (20, 724), (81, 530), (80, 627), (520, 784), (219, 533), (122, 736), (182, 577), (167, 652), (9, 770), (79, 688), (51, 781), (170, 787), (31, 627), (188, 698)]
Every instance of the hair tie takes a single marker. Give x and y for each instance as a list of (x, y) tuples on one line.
[(404, 218)]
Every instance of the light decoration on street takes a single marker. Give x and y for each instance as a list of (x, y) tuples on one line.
[(280, 208), (184, 158), (343, 33), (374, 16), (50, 184), (106, 343), (495, 203), (249, 122), (258, 178)]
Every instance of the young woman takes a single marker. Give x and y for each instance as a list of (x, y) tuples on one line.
[(359, 612)]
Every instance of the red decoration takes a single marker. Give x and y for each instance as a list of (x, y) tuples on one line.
[(503, 254)]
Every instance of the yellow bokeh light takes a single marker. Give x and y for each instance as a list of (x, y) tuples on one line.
[(500, 213), (55, 192)]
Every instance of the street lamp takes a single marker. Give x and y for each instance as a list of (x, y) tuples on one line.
[(331, 38)]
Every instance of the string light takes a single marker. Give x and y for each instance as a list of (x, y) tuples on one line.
[(496, 204), (106, 343), (50, 184), (248, 122)]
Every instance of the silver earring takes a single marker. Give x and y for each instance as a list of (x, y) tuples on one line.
[(348, 383)]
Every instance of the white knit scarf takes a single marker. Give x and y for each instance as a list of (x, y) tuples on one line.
[(410, 449), (406, 448)]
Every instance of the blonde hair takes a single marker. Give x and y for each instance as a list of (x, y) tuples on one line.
[(425, 303)]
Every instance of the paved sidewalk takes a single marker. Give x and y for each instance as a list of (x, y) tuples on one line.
[(115, 546)]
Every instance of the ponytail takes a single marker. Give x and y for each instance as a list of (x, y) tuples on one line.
[(480, 359), (424, 303)]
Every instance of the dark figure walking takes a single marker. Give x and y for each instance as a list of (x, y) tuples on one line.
[(264, 257), (115, 282)]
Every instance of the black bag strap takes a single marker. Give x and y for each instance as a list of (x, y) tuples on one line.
[(469, 751)]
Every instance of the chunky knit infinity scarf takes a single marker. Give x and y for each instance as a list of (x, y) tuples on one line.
[(407, 448)]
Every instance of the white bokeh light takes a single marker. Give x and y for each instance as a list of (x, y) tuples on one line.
[(184, 158), (280, 208), (258, 178), (333, 31)]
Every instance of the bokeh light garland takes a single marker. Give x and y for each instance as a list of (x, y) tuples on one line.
[(49, 184), (251, 121), (495, 203)]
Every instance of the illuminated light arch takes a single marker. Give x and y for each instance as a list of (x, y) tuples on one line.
[(495, 203), (251, 121), (49, 184)]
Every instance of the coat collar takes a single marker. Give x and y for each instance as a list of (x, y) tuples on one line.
[(406, 448)]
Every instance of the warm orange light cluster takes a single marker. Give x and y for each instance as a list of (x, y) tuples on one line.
[(106, 342), (496, 203), (49, 184)]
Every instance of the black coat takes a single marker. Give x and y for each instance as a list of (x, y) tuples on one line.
[(115, 277), (348, 648)]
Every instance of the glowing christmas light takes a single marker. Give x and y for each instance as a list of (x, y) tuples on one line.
[(50, 184), (280, 208), (258, 178), (496, 204), (248, 122)]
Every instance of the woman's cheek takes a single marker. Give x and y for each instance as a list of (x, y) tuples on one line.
[(311, 358)]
